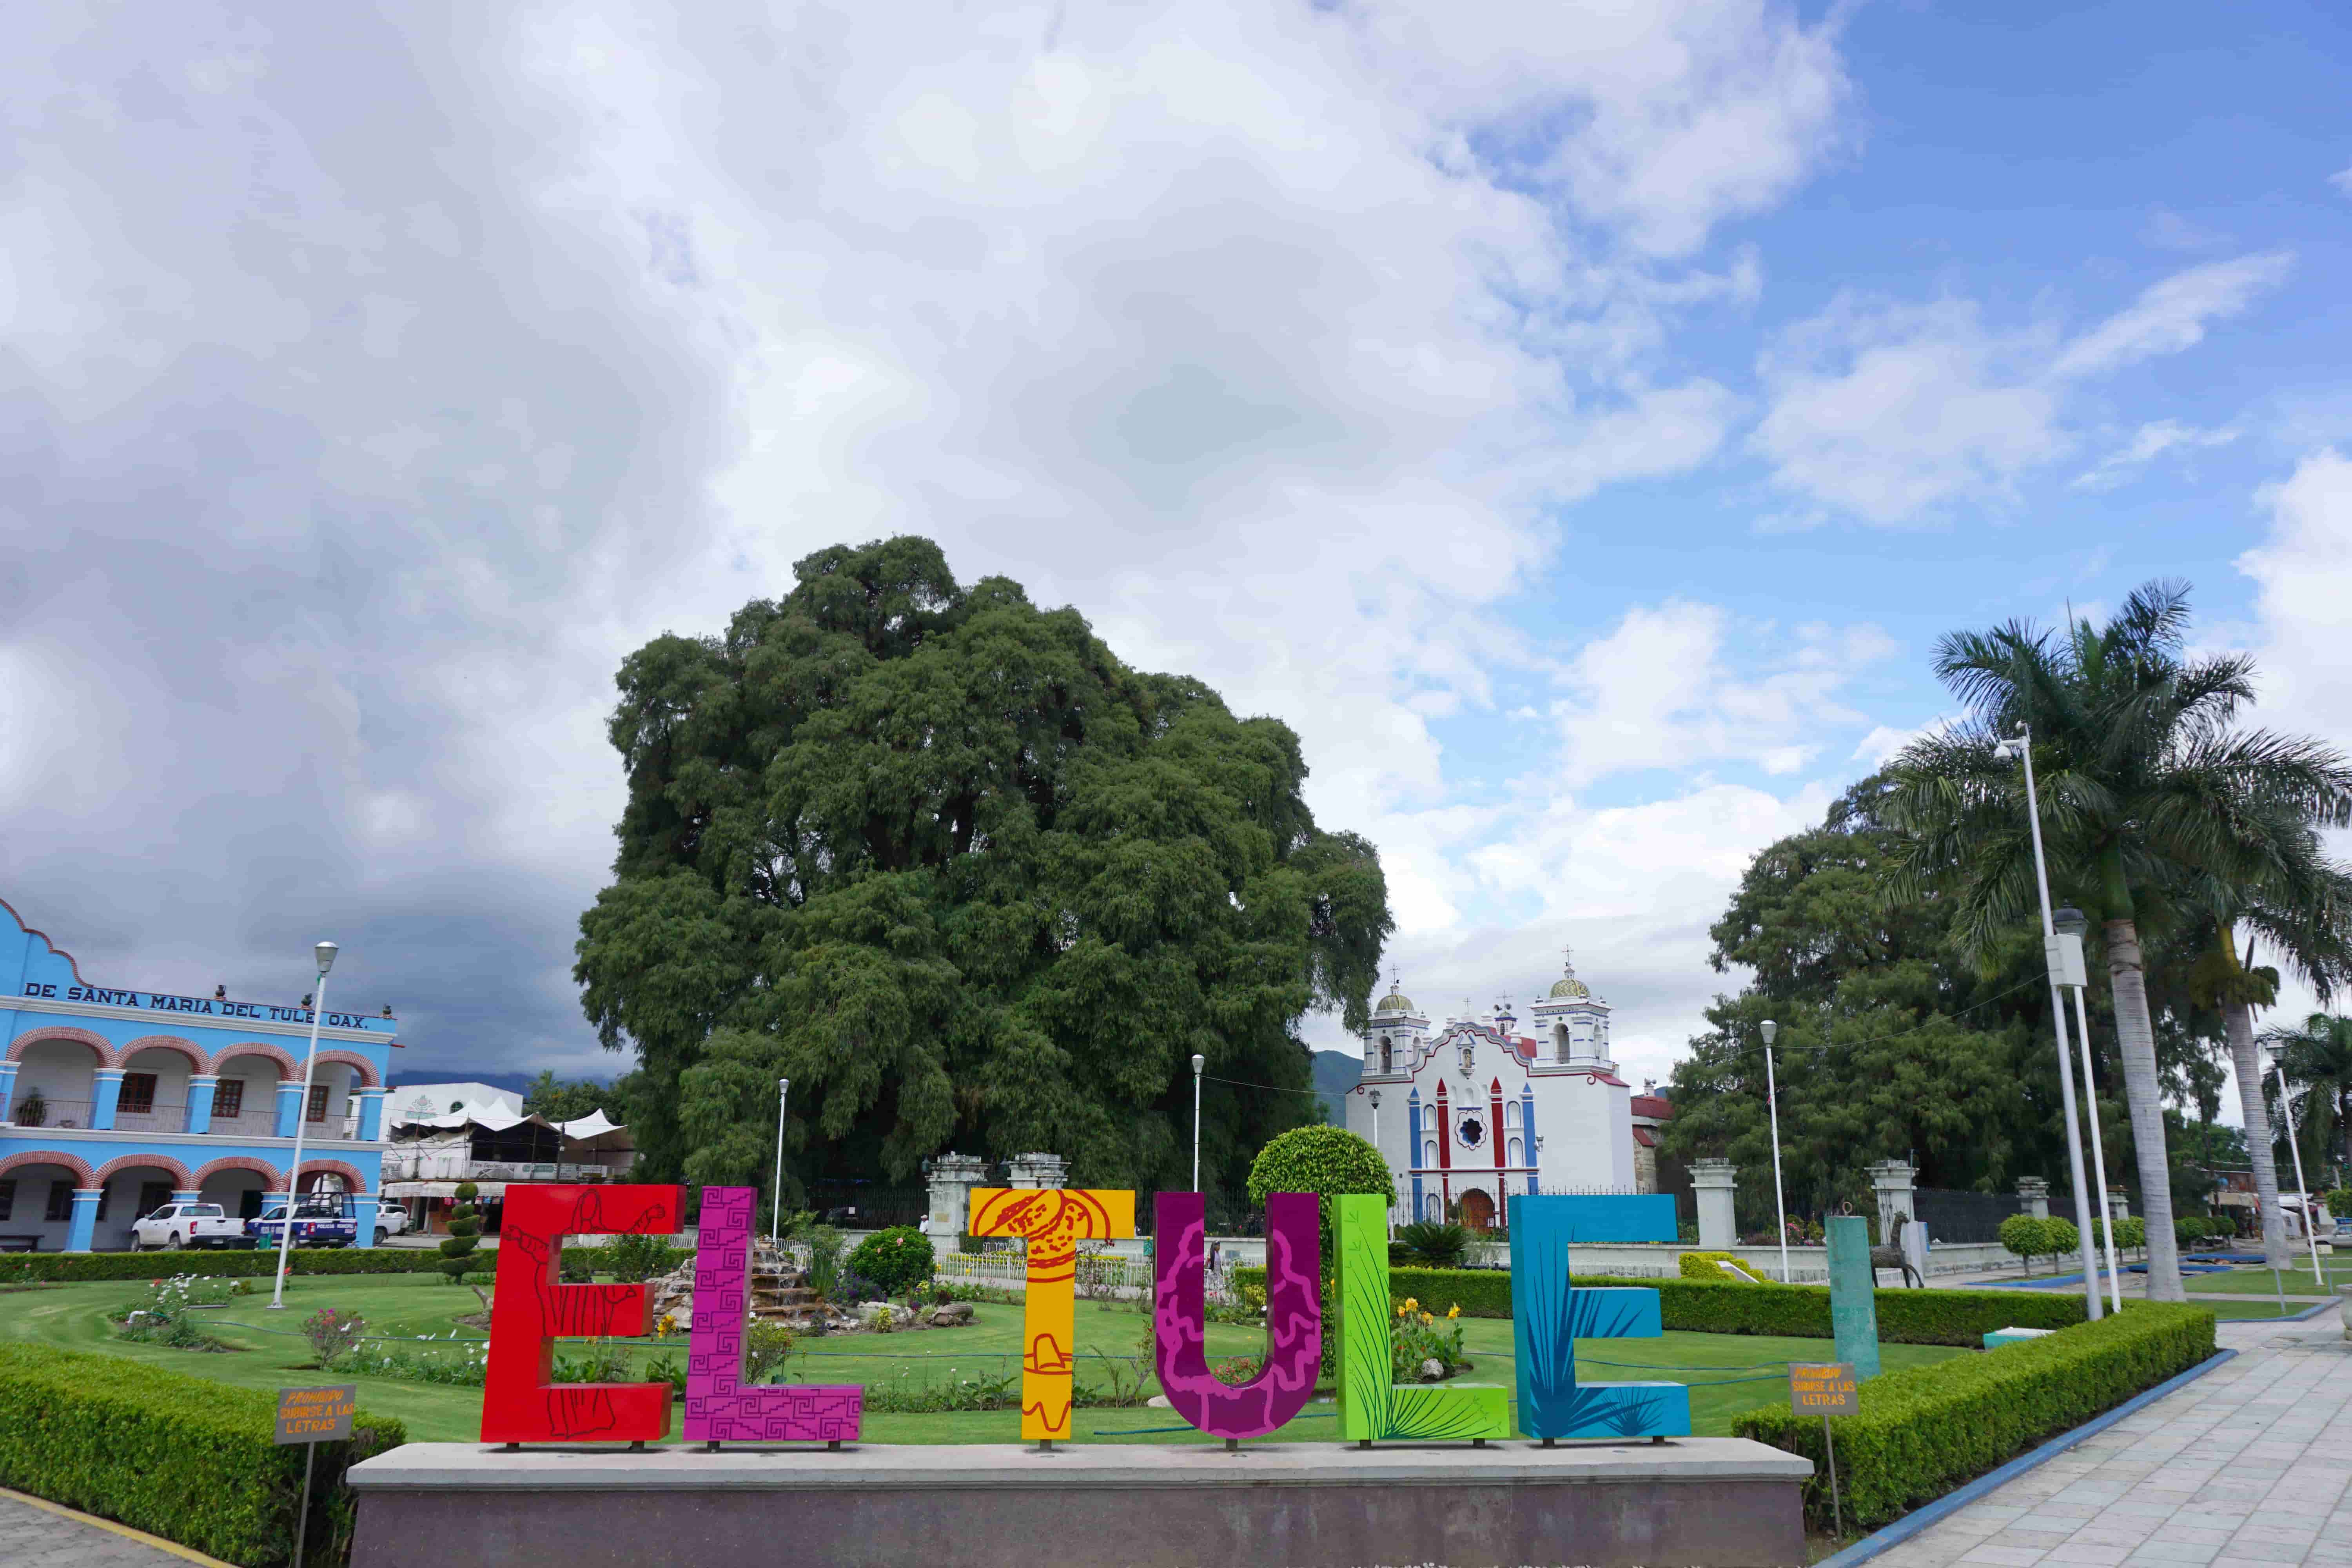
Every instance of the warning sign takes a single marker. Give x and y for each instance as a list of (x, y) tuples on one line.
[(316, 1414), (1826, 1389)]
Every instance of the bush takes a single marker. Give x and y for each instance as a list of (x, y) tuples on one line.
[(465, 1227), (1721, 1306), (2031, 1238), (1433, 1244), (82, 1268), (179, 1457), (332, 1334), (825, 1246), (1923, 1431), (1702, 1265), (1325, 1161), (634, 1258), (2338, 1201), (896, 1260), (2130, 1231)]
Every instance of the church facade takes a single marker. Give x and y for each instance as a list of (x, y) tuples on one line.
[(1470, 1112)]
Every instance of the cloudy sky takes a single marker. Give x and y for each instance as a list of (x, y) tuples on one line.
[(1578, 422)]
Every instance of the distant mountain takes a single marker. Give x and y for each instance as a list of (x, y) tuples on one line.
[(1335, 1074)]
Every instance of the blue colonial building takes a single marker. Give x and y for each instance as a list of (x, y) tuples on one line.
[(113, 1102)]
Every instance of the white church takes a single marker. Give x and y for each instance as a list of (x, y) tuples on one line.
[(1470, 1112)]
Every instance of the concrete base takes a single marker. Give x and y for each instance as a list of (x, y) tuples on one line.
[(1693, 1500)]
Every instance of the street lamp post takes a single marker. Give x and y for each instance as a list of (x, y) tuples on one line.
[(776, 1195), (2022, 747), (1199, 1062), (325, 953), (2295, 1153), (2072, 923), (1772, 1102), (1375, 1097)]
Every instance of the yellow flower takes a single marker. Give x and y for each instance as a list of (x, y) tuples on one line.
[(1426, 1320), (1455, 1311), (1411, 1305)]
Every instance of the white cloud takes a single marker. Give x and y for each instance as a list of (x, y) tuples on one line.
[(2302, 577), (2173, 315), (2342, 181), (1271, 337), (2149, 442), (1888, 412)]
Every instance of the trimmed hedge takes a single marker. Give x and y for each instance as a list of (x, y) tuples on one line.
[(1724, 1307), (1923, 1431), (1702, 1265), (75, 1267), (179, 1457)]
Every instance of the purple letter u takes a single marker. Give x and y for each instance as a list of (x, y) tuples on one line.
[(1294, 1317)]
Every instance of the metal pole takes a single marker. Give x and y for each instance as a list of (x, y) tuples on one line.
[(776, 1197), (2099, 1150), (1837, 1510), (1779, 1209), (2093, 1306), (301, 1117), (309, 1458), (1198, 1063), (2295, 1152)]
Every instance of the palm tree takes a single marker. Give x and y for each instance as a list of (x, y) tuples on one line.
[(2146, 785), (2318, 1056)]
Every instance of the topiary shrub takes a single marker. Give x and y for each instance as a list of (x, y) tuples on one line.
[(1327, 1161), (895, 1261), (1925, 1430), (465, 1233), (1707, 1266), (2031, 1238)]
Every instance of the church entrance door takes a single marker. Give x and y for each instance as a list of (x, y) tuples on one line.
[(1477, 1210)]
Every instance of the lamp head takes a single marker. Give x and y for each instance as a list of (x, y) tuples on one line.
[(1376, 1100), (1199, 1062), (783, 1084), (1769, 1029), (2071, 921), (325, 951)]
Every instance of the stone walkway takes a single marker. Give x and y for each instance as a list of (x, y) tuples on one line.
[(35, 1538), (2246, 1468)]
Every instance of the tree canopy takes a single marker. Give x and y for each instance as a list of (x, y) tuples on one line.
[(939, 858)]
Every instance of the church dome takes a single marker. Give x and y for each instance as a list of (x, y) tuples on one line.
[(1395, 1001), (1569, 986)]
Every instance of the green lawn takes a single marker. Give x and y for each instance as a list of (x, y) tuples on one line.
[(2257, 1280), (75, 1316)]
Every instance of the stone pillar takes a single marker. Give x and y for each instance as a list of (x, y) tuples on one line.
[(7, 1092), (1712, 1181), (1038, 1171), (289, 1106), (200, 1103), (105, 1093), (2034, 1193), (1893, 1179), (83, 1226), (2119, 1203), (952, 1178), (1853, 1292), (371, 1114), (362, 1211)]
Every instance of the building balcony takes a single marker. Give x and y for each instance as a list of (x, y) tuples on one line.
[(80, 1115)]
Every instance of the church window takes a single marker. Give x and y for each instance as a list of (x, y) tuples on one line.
[(1387, 1061), (1559, 1042), (1511, 1113), (1514, 1157), (1430, 1154)]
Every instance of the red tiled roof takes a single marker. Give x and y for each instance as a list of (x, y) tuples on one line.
[(1645, 1138), (1657, 1106)]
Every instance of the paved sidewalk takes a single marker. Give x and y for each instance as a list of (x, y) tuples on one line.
[(35, 1538), (2246, 1468)]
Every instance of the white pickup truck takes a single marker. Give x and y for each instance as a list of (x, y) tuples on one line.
[(185, 1225)]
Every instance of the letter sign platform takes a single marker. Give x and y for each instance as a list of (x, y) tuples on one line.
[(1826, 1389), (316, 1414)]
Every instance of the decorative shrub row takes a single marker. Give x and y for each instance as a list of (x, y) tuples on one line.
[(1704, 1266), (1923, 1431), (178, 1456), (72, 1268), (1725, 1307)]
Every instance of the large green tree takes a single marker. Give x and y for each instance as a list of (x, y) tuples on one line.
[(2316, 1056), (938, 858), (2147, 785)]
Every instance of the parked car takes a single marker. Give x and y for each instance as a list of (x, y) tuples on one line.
[(315, 1225), (390, 1220), (185, 1225)]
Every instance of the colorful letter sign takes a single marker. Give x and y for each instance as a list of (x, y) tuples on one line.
[(1294, 1317), (1053, 1220), (521, 1401), (718, 1408), (1548, 1317), (1372, 1404)]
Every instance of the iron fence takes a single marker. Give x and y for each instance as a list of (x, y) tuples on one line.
[(1963, 1217)]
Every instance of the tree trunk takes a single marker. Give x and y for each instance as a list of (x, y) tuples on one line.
[(2136, 1037), (2238, 1022)]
